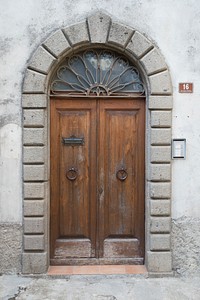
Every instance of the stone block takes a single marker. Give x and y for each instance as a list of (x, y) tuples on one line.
[(160, 102), (119, 34), (34, 117), (98, 27), (34, 82), (57, 43), (34, 263), (41, 60), (34, 136), (153, 62), (160, 84), (34, 155), (33, 225), (161, 119), (161, 136), (34, 101), (160, 172), (139, 45), (34, 242), (159, 261), (160, 224), (77, 34), (160, 207), (35, 173), (34, 190), (160, 154), (160, 190), (33, 208), (160, 242)]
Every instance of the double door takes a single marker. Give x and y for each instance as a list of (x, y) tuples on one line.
[(97, 181)]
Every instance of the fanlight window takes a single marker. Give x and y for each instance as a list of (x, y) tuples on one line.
[(97, 73)]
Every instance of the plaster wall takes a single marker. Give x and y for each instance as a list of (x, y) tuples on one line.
[(172, 25)]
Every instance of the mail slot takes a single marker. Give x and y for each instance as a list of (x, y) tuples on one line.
[(73, 141)]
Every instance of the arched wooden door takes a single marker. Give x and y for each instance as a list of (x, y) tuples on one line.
[(97, 180)]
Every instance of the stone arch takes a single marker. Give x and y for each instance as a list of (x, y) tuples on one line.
[(98, 29)]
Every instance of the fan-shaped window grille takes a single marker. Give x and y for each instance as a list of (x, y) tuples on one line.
[(97, 73)]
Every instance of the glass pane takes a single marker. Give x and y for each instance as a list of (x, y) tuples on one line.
[(97, 72)]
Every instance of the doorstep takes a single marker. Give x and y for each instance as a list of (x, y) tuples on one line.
[(98, 270)]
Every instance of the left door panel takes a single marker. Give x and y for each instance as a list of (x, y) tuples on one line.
[(73, 179)]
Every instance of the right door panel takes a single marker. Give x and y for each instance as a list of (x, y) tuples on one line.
[(121, 180)]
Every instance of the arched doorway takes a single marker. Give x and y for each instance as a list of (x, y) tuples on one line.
[(98, 30), (97, 160)]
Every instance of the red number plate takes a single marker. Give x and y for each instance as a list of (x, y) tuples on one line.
[(186, 87)]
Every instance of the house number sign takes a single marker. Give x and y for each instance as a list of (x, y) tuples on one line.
[(186, 87)]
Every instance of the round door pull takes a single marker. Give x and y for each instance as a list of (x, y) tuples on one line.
[(71, 174), (121, 174)]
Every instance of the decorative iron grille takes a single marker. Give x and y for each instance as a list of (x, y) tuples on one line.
[(97, 73)]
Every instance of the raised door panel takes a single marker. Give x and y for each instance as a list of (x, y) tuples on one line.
[(73, 169), (121, 179)]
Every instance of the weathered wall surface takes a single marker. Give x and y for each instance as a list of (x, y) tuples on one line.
[(174, 27), (10, 248), (186, 246)]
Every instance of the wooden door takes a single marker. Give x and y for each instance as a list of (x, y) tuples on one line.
[(97, 181)]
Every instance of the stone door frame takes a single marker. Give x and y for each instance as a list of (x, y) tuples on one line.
[(98, 30)]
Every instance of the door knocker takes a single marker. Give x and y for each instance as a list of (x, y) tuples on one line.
[(121, 174), (71, 174)]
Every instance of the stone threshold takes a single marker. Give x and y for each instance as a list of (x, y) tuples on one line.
[(98, 270)]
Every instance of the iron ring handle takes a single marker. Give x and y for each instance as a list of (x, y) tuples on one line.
[(121, 174), (71, 174)]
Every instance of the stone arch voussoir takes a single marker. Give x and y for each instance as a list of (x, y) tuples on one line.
[(100, 29)]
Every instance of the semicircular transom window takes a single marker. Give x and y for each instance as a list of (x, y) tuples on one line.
[(97, 73)]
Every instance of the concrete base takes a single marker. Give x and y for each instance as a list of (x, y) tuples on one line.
[(10, 248), (186, 246), (34, 263), (160, 274)]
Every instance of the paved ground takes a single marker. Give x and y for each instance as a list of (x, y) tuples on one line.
[(118, 287)]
